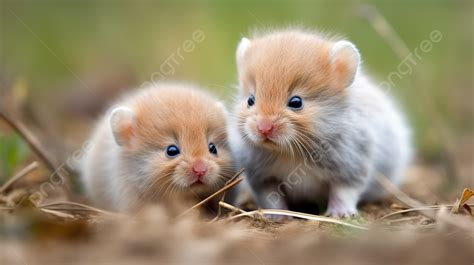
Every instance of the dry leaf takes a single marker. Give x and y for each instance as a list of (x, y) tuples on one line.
[(461, 203)]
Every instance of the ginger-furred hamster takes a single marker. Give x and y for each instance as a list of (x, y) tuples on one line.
[(309, 126), (164, 142)]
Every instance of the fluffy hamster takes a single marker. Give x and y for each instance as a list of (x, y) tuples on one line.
[(161, 143), (309, 125)]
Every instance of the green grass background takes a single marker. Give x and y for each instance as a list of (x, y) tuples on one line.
[(45, 42)]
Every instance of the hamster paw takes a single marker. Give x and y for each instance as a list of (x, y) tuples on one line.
[(341, 212), (343, 201)]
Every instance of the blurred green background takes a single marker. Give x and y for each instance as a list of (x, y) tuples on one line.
[(63, 61)]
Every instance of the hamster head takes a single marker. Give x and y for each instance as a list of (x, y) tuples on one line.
[(174, 140), (289, 83)]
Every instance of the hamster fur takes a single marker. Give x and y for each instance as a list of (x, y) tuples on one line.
[(345, 133), (128, 164)]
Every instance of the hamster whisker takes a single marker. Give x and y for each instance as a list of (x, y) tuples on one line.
[(301, 147), (245, 135), (158, 181), (289, 146), (160, 185), (157, 191), (307, 140), (169, 188)]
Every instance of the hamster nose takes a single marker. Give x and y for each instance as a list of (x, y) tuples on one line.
[(265, 127), (199, 169)]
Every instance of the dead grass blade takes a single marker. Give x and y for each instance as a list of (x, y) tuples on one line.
[(25, 171), (31, 140), (53, 206), (58, 213), (306, 216), (219, 211), (400, 195), (395, 191), (445, 217), (231, 207), (424, 208), (236, 180), (235, 176)]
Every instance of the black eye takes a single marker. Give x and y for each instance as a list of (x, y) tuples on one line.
[(212, 149), (295, 103), (251, 101), (172, 151)]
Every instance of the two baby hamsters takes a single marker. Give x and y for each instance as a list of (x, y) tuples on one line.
[(308, 125)]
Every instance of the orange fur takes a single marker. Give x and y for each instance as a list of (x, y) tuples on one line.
[(164, 115), (281, 64)]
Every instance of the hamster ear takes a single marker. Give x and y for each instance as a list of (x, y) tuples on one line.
[(344, 60), (122, 123), (244, 44)]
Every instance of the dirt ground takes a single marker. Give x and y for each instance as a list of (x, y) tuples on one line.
[(67, 234)]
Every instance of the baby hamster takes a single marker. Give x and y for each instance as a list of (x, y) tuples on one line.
[(309, 124), (164, 142)]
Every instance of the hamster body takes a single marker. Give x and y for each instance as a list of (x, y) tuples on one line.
[(309, 125), (161, 143)]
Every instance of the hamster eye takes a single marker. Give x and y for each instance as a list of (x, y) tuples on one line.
[(251, 101), (212, 149), (295, 103), (172, 151)]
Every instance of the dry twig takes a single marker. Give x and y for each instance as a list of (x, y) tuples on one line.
[(53, 206), (424, 208), (31, 167), (414, 204), (58, 213), (306, 216), (31, 140), (231, 207), (226, 187)]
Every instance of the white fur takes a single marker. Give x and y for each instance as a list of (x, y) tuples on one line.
[(107, 177), (101, 170), (243, 46), (370, 115), (350, 55), (344, 45), (119, 118)]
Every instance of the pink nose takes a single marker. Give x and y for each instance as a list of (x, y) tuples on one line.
[(265, 127), (199, 169)]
